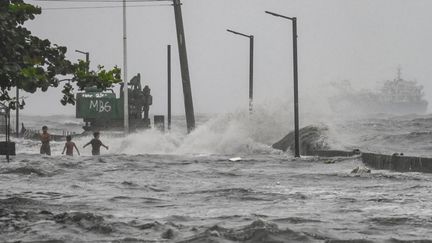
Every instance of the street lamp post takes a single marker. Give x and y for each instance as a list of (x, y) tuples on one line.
[(87, 54), (5, 111), (125, 77), (169, 84), (295, 64), (251, 65)]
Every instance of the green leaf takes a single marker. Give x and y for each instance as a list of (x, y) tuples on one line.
[(35, 63)]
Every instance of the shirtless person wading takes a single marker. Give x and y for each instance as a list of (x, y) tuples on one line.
[(69, 146), (96, 144), (45, 138)]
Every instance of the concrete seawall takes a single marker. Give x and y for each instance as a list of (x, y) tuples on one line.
[(397, 163), (314, 143), (334, 153)]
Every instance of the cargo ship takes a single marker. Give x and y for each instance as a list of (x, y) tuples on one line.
[(397, 96)]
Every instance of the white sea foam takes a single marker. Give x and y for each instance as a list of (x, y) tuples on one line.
[(239, 132), (233, 133)]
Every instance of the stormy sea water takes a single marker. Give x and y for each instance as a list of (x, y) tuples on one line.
[(173, 187)]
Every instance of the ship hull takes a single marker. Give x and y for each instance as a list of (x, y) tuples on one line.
[(354, 106)]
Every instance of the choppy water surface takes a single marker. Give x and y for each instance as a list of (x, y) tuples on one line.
[(186, 190)]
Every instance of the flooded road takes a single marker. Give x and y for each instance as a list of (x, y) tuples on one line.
[(208, 199), (154, 187)]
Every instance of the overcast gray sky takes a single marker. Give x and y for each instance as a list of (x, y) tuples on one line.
[(362, 41)]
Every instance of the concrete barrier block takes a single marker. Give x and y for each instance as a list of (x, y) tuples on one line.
[(397, 163)]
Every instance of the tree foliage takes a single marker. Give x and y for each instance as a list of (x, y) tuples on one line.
[(32, 63), (102, 79)]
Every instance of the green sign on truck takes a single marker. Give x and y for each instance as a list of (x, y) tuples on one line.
[(99, 105)]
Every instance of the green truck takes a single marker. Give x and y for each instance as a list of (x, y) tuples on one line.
[(102, 110)]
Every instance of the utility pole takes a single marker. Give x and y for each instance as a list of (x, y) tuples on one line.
[(125, 78), (295, 67), (17, 134), (296, 97), (169, 85), (187, 90), (251, 65)]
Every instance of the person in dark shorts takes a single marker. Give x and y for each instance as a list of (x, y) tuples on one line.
[(96, 144), (45, 138), (69, 146)]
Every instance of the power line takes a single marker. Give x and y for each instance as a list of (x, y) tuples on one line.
[(105, 7), (102, 1)]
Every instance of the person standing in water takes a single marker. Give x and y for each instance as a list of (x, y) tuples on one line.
[(96, 144), (69, 146), (45, 138)]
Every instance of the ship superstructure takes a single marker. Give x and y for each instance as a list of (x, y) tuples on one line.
[(397, 96)]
